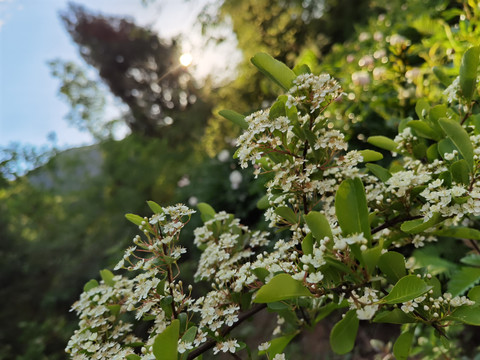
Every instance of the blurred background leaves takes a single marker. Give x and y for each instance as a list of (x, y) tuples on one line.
[(62, 212)]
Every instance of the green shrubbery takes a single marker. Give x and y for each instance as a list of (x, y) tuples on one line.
[(351, 230)]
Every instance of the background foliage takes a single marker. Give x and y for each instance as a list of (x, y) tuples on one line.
[(57, 231)]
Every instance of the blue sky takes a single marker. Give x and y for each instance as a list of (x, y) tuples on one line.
[(31, 34)]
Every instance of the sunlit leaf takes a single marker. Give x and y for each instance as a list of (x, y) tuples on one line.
[(234, 117), (370, 155), (457, 134), (468, 72), (137, 220), (157, 209), (206, 211), (383, 142), (90, 285), (275, 70), (107, 277)]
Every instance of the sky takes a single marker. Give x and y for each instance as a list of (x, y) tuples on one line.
[(31, 34)]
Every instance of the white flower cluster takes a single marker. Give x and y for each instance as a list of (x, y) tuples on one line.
[(364, 305), (301, 151), (452, 90), (101, 334), (436, 308), (317, 91), (227, 247)]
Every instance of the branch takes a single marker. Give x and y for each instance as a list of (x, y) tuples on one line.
[(211, 343)]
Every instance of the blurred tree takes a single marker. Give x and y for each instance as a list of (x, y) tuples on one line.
[(86, 98), (286, 30), (140, 69)]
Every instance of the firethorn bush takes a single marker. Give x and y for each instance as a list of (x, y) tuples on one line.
[(348, 233)]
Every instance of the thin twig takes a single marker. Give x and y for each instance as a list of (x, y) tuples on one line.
[(211, 343)]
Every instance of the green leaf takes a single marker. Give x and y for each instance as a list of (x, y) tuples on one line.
[(157, 209), (263, 203), (392, 264), (395, 316), (418, 225), (261, 273), (277, 345), (401, 348), (206, 211), (91, 284), (275, 70), (114, 309), (183, 318), (436, 112), (137, 220), (165, 344), (132, 357), (190, 334), (474, 294), (307, 244), (424, 130), (383, 142), (436, 286), (459, 233), (468, 72), (107, 277), (281, 287), (444, 78), (370, 155), (469, 315), (471, 259), (433, 262), (344, 333), (371, 257), (460, 172), (463, 280), (407, 288), (457, 134), (421, 108), (326, 310), (301, 69), (445, 146), (432, 152), (380, 172), (234, 117), (318, 225), (287, 213), (278, 108), (351, 208)]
